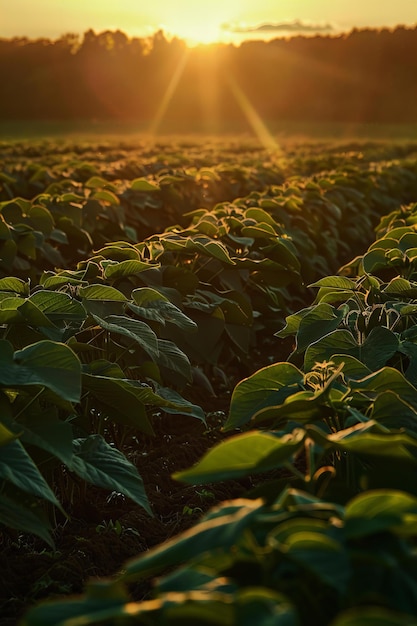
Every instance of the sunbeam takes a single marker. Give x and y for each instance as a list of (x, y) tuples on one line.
[(170, 91), (258, 125)]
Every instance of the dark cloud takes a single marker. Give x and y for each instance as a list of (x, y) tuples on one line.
[(296, 26)]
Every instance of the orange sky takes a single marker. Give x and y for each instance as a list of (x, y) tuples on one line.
[(196, 21)]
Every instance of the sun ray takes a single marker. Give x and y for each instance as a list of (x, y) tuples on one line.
[(258, 125), (168, 95)]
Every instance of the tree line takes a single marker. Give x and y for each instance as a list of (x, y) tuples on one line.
[(364, 76)]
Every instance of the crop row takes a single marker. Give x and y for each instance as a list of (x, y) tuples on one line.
[(91, 353), (333, 543)]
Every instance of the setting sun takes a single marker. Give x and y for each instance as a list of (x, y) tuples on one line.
[(196, 29)]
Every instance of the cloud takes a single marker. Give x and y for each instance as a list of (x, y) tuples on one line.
[(296, 26)]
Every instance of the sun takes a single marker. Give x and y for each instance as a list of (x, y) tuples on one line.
[(198, 29)]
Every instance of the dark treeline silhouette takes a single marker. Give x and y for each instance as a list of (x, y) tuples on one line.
[(364, 76)]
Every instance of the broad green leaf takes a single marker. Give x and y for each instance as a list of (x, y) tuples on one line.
[(104, 466), (352, 368), (102, 292), (407, 241), (380, 345), (210, 247), (387, 379), (220, 530), (171, 357), (369, 439), (292, 323), (376, 260), (336, 282), (137, 331), (180, 406), (17, 467), (381, 510), (9, 310), (145, 295), (141, 184), (127, 268), (302, 406), (58, 306), (14, 285), (162, 311), (393, 412), (106, 196), (52, 365), (117, 252), (401, 287), (41, 219), (121, 401), (260, 215), (260, 230), (97, 182), (267, 387), (321, 320), (250, 453), (320, 553)]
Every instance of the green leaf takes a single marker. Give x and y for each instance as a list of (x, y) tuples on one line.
[(369, 439), (97, 182), (102, 292), (321, 320), (292, 323), (267, 387), (303, 406), (380, 345), (58, 306), (210, 247), (381, 510), (17, 467), (52, 365), (221, 529), (180, 406), (104, 466), (336, 282), (122, 401), (137, 331), (41, 219), (105, 196), (171, 357), (317, 551), (127, 268), (14, 285), (250, 453), (141, 184), (387, 379), (352, 368), (393, 412)]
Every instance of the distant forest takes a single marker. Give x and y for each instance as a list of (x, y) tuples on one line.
[(364, 76)]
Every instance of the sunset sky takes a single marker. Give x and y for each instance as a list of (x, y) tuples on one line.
[(196, 21)]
